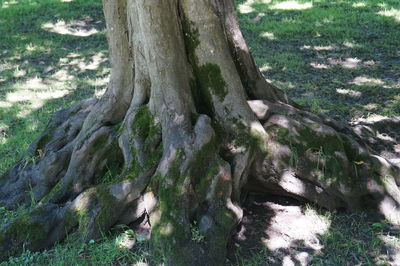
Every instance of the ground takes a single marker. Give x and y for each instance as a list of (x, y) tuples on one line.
[(340, 58)]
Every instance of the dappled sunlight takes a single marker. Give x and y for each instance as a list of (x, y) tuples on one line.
[(319, 65), (246, 7), (5, 104), (18, 73), (78, 28), (81, 63), (369, 63), (99, 93), (347, 63), (7, 4), (265, 67), (371, 118), (359, 4), (98, 82), (258, 17), (288, 231), (348, 92), (393, 13), (371, 107), (388, 207), (291, 183), (291, 223), (324, 48), (323, 22), (392, 244), (268, 35), (363, 81), (292, 5), (32, 83), (313, 48), (126, 240), (350, 44), (62, 75), (26, 96), (319, 47), (34, 99)]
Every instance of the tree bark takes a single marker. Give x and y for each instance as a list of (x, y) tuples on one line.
[(187, 124)]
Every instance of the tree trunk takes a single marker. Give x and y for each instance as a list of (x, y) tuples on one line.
[(187, 125)]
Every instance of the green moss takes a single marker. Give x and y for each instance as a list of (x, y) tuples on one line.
[(144, 125), (99, 143), (84, 215), (225, 219), (109, 205), (23, 232), (145, 129), (171, 229), (210, 77), (206, 166), (191, 37), (209, 80), (330, 166), (245, 136), (54, 191)]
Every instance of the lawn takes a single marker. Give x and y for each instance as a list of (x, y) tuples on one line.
[(340, 58)]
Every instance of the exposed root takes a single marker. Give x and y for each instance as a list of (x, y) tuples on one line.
[(194, 187), (310, 160), (47, 159)]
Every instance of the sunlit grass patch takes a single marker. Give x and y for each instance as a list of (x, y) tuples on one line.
[(394, 13), (292, 5)]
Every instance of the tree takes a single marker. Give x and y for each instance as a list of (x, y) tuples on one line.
[(187, 125)]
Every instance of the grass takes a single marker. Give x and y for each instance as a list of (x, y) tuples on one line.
[(352, 239), (338, 57), (41, 70), (114, 250)]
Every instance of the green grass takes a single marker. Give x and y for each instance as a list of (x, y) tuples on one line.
[(352, 239), (112, 250), (338, 57), (42, 71)]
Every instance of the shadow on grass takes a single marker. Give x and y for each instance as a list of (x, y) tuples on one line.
[(278, 231), (53, 54), (340, 58)]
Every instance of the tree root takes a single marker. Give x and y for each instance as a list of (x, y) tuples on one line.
[(47, 158), (314, 161)]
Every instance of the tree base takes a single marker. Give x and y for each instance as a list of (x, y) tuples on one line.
[(175, 137)]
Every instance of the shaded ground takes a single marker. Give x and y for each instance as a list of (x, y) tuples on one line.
[(282, 231)]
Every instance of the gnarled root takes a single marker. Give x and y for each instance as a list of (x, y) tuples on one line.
[(324, 162), (47, 159)]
